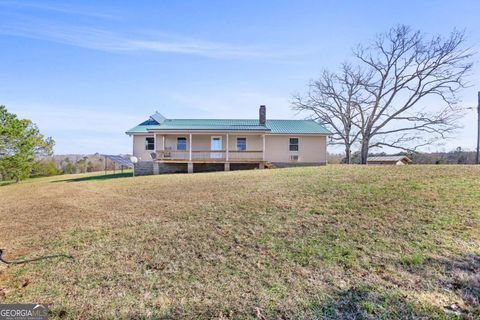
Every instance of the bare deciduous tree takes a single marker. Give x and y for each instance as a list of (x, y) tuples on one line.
[(407, 68), (402, 93), (332, 100)]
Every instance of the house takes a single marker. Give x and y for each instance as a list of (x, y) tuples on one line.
[(389, 160), (164, 145)]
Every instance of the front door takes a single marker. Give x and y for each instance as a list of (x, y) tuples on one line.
[(216, 145)]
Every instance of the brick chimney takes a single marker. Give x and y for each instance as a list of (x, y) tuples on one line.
[(262, 115)]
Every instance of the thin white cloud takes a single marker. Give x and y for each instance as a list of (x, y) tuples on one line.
[(105, 40), (55, 7)]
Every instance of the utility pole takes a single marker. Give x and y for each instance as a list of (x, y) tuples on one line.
[(478, 129)]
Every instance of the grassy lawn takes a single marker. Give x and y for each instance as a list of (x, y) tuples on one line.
[(346, 242)]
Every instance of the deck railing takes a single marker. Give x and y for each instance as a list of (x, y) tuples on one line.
[(210, 155), (245, 155)]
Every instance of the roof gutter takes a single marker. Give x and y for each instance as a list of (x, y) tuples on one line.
[(206, 130)]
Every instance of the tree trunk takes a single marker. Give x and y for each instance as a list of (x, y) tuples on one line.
[(348, 154), (364, 151)]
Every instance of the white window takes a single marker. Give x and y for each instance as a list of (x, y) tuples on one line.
[(241, 144), (149, 143), (181, 143), (293, 144)]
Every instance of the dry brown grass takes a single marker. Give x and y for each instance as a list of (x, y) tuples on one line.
[(330, 242)]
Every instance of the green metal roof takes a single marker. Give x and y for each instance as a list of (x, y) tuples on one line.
[(296, 126), (271, 126), (209, 124)]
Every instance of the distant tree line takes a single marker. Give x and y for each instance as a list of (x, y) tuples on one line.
[(76, 163), (50, 167), (55, 165), (457, 156)]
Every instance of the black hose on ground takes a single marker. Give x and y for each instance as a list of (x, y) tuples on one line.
[(34, 259)]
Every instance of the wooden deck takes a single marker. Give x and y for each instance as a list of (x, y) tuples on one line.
[(206, 161), (209, 156)]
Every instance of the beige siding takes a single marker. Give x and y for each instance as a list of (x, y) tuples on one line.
[(200, 142), (139, 148), (203, 142), (171, 141), (254, 142), (311, 148)]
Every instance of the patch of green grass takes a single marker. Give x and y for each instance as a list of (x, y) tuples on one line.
[(366, 302), (318, 251), (98, 177), (316, 212), (413, 260), (273, 295), (6, 182)]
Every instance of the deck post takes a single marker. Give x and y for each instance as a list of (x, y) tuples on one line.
[(190, 167), (155, 164), (227, 166), (227, 153), (155, 143), (190, 149)]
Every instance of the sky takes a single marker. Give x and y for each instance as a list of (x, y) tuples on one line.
[(87, 71)]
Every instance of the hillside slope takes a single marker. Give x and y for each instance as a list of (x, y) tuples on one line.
[(329, 242)]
